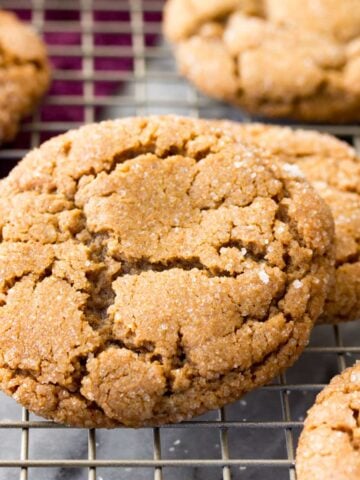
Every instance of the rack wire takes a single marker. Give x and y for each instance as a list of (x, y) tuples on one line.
[(110, 60)]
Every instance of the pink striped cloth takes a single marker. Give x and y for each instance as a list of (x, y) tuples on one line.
[(63, 41)]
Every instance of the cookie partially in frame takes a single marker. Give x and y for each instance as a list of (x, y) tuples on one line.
[(329, 445), (24, 73), (333, 168), (295, 59)]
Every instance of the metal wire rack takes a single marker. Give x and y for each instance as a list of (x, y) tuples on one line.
[(109, 60)]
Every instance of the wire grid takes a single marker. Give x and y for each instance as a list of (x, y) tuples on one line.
[(133, 73)]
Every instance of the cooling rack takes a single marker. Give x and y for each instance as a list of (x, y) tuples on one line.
[(109, 60)]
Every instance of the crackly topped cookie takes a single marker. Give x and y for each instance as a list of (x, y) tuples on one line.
[(333, 168), (24, 73), (285, 58), (329, 445), (152, 269)]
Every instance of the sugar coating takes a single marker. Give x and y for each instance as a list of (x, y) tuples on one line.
[(130, 255), (293, 170), (329, 445), (291, 58), (355, 377), (25, 73), (264, 277)]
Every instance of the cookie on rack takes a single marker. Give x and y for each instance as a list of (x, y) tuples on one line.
[(279, 58), (24, 73), (153, 269), (329, 445), (333, 168)]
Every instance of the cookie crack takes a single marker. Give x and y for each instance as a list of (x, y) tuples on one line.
[(355, 443), (11, 60), (253, 10), (340, 429), (218, 379), (151, 148), (10, 283), (102, 295), (349, 260), (24, 374)]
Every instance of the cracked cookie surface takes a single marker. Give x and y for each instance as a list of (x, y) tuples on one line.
[(152, 269), (329, 445), (279, 58), (24, 73), (333, 168)]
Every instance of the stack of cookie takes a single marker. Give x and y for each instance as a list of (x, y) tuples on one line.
[(155, 268), (294, 59), (152, 269)]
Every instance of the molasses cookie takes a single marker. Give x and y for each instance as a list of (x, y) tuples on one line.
[(24, 73), (329, 445), (152, 269), (333, 168), (278, 58)]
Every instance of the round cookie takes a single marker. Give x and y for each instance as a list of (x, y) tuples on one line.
[(333, 168), (152, 269), (279, 58), (329, 445), (24, 73)]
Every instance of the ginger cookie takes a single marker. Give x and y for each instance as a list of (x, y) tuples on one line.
[(333, 168), (24, 73), (329, 445), (153, 269), (279, 58)]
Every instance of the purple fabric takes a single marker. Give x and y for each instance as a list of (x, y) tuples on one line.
[(61, 40), (64, 40)]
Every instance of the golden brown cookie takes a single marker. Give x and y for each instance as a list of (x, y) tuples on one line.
[(153, 269), (329, 446), (333, 168), (24, 73), (278, 58)]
